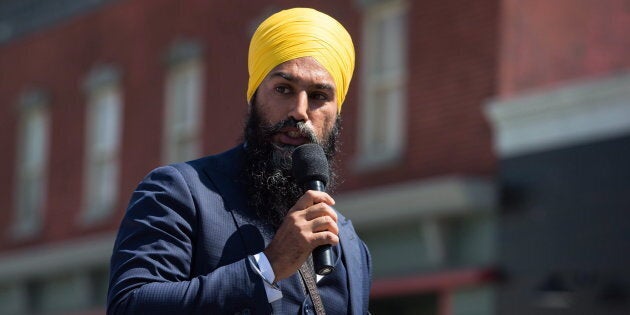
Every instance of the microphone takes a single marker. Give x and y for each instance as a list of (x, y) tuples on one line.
[(310, 170)]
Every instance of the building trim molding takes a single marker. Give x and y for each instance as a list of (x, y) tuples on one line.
[(417, 200), (583, 112), (49, 259), (19, 17), (433, 282)]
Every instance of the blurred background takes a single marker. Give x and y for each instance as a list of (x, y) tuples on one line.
[(485, 156)]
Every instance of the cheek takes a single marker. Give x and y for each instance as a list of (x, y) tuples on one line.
[(326, 123), (267, 114)]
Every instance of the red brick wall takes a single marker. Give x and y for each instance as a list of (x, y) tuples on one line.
[(545, 43), (460, 55), (452, 71), (134, 36)]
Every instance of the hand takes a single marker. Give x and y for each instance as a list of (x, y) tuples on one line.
[(311, 222)]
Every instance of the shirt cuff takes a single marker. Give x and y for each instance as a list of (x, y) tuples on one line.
[(273, 293)]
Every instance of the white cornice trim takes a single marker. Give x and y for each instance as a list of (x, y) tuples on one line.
[(45, 260), (580, 113), (443, 196)]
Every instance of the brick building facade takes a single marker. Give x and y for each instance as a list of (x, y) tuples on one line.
[(94, 95)]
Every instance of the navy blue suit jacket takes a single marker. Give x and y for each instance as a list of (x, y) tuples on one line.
[(183, 244)]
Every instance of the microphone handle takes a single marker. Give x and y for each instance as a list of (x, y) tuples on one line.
[(322, 255), (323, 260), (314, 185)]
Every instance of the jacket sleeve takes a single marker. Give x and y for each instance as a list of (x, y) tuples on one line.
[(151, 262)]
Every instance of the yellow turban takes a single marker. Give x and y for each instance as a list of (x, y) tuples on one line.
[(296, 33)]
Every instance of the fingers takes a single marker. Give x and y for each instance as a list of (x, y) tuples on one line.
[(310, 223), (316, 218), (317, 224), (314, 204), (320, 225), (312, 197), (319, 210), (324, 223), (324, 238)]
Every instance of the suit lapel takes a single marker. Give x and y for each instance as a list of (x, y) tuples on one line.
[(352, 256), (224, 171)]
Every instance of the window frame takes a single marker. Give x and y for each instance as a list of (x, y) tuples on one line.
[(182, 138), (33, 105), (370, 156), (102, 82)]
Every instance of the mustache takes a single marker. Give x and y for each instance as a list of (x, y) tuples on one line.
[(304, 129), (271, 189)]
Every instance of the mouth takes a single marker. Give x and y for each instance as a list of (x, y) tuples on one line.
[(290, 137)]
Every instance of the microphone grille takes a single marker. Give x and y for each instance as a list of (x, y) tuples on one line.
[(310, 163)]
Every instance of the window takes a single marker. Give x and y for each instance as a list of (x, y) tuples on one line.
[(383, 82), (58, 293), (13, 298), (104, 116), (184, 85), (31, 163)]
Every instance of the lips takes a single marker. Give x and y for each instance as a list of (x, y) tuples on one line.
[(293, 134), (290, 136)]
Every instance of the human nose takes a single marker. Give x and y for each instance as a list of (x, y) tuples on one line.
[(299, 110)]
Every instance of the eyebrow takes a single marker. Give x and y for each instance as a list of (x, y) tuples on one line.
[(290, 78), (283, 75)]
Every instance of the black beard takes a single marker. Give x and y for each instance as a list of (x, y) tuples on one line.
[(270, 186)]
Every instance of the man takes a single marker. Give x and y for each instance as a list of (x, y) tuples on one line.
[(227, 234)]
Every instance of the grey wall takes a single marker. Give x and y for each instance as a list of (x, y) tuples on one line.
[(565, 224)]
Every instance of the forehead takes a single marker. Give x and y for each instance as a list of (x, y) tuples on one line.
[(302, 70)]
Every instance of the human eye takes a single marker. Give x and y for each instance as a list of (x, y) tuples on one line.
[(282, 89), (320, 96)]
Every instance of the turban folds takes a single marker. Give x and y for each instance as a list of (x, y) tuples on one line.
[(296, 33)]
